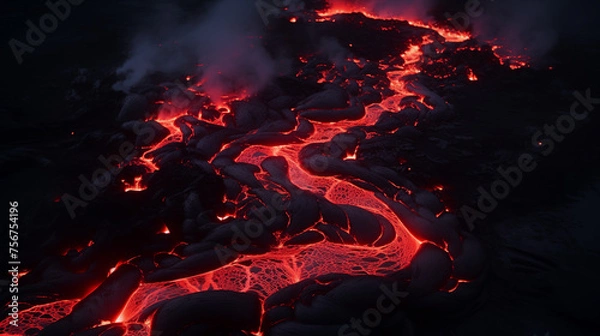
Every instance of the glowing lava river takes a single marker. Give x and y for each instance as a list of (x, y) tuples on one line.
[(301, 208)]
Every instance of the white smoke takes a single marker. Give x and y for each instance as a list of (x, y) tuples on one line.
[(226, 42)]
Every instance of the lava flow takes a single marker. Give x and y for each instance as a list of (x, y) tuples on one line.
[(336, 214), (286, 265)]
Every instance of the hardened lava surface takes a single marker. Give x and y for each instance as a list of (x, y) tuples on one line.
[(260, 213)]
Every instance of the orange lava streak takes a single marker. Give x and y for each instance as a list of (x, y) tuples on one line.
[(136, 186), (507, 58), (448, 34), (345, 8)]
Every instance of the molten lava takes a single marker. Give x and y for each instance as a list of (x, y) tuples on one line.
[(287, 264)]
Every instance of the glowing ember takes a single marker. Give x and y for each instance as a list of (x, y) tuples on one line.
[(136, 186), (165, 230), (471, 75)]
